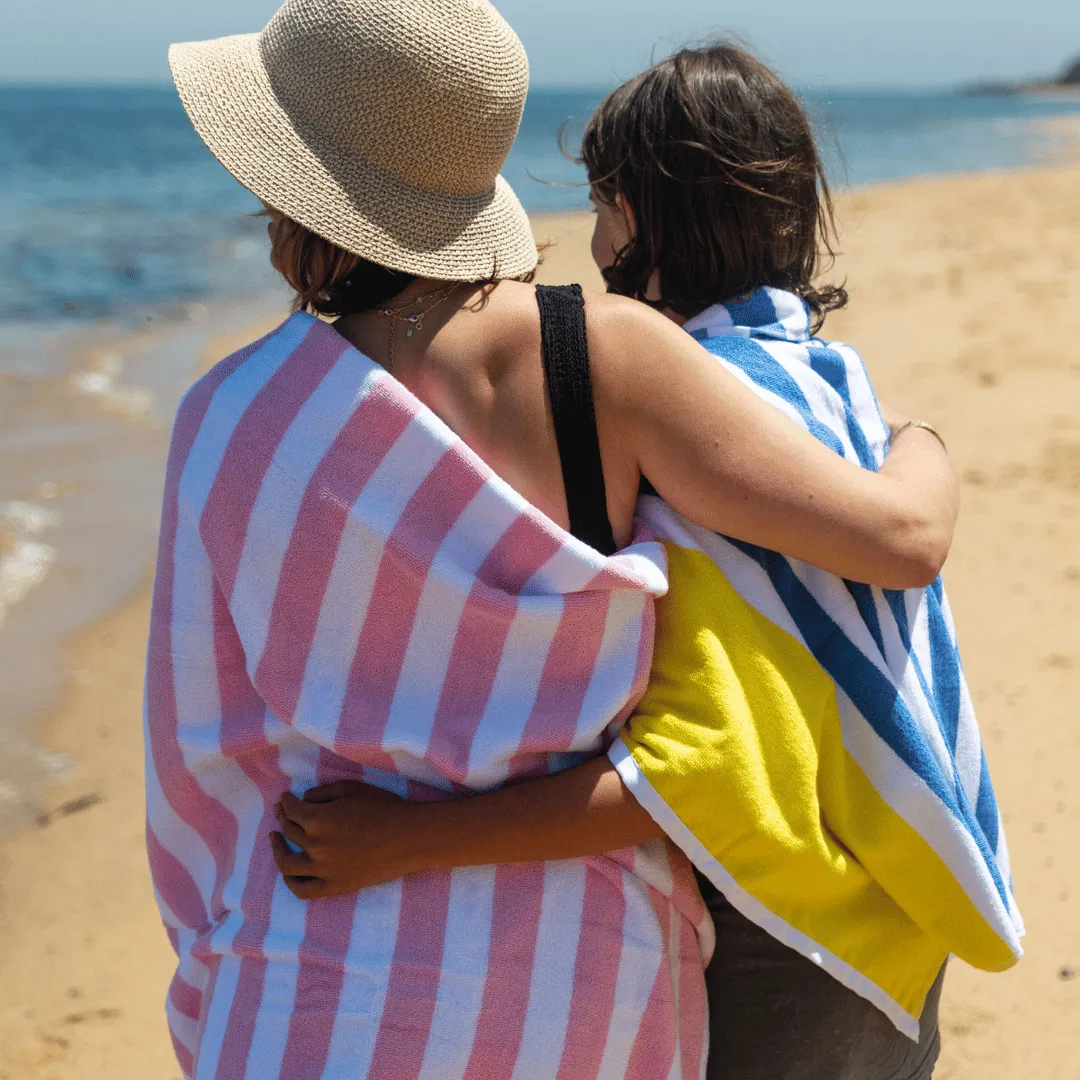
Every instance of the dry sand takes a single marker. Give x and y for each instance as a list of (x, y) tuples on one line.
[(965, 294)]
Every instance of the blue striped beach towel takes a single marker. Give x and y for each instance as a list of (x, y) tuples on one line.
[(810, 742)]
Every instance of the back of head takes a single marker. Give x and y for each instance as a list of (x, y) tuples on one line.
[(716, 161)]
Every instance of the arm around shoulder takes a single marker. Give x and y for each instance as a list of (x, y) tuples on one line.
[(721, 456)]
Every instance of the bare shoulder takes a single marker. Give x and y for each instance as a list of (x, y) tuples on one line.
[(607, 312), (632, 345), (617, 321)]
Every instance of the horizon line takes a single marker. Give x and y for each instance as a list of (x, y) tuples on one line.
[(91, 83)]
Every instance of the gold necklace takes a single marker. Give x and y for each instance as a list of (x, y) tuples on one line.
[(415, 321)]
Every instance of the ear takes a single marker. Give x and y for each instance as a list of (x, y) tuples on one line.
[(627, 213)]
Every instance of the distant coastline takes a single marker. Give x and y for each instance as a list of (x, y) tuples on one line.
[(1067, 84)]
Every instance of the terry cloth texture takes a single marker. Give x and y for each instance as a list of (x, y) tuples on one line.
[(381, 125), (809, 742), (344, 590)]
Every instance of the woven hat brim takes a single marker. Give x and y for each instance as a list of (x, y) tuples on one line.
[(227, 93)]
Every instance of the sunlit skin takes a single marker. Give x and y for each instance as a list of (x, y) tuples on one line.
[(612, 231)]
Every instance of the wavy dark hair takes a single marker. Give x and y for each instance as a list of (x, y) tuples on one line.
[(329, 281), (715, 158), (326, 279)]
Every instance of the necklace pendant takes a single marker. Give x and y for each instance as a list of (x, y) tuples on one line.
[(409, 332)]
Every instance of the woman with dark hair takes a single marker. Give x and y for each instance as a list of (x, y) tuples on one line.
[(376, 564), (808, 742)]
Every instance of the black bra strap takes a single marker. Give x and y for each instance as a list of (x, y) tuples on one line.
[(566, 364)]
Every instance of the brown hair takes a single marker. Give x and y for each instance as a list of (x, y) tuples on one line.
[(715, 159), (327, 280)]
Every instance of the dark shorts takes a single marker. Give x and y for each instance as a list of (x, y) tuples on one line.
[(775, 1015)]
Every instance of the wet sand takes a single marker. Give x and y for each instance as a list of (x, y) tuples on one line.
[(964, 299), (85, 412)]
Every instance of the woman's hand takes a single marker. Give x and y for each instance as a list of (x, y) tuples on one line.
[(355, 837), (352, 837)]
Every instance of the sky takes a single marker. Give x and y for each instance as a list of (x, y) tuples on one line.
[(857, 43)]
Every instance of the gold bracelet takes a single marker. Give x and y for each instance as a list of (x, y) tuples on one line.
[(924, 426)]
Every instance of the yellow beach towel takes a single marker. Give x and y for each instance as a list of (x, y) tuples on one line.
[(811, 743)]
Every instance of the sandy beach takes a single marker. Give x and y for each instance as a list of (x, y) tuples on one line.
[(964, 299)]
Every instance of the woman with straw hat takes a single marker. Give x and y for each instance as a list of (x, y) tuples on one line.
[(378, 563)]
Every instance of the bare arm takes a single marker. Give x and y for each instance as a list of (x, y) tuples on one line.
[(726, 459), (355, 837)]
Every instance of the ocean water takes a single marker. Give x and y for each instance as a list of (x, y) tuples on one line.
[(110, 204), (125, 248), (866, 137)]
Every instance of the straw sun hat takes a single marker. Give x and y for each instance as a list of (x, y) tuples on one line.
[(381, 125)]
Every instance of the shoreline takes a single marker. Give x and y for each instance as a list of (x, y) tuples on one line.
[(86, 435), (938, 268)]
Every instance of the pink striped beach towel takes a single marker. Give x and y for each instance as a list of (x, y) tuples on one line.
[(345, 590)]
